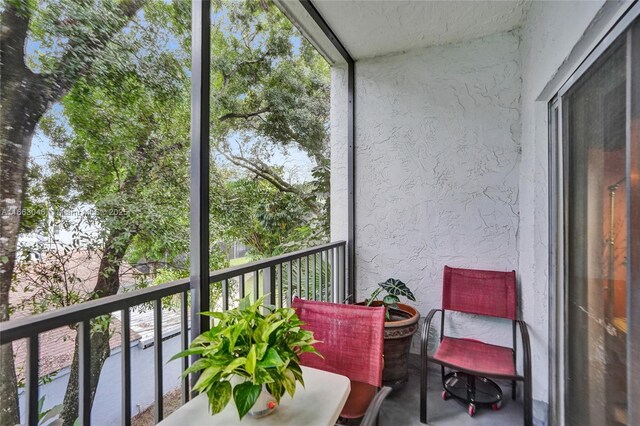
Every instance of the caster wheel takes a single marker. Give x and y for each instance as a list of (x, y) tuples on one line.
[(496, 406), (471, 409), (445, 395)]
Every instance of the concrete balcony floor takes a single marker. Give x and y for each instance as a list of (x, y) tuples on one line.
[(402, 407)]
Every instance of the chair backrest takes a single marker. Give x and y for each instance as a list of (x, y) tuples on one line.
[(351, 339), (474, 291)]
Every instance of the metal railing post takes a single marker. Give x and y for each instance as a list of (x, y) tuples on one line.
[(126, 367), (32, 380), (158, 411), (268, 287), (84, 376), (342, 291), (335, 272)]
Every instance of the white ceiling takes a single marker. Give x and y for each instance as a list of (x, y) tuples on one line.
[(369, 28)]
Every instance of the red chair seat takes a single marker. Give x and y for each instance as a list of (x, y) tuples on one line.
[(476, 356)]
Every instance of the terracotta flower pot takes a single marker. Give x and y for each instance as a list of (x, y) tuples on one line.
[(397, 341)]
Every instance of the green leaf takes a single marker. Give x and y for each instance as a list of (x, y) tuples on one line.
[(262, 376), (40, 404), (271, 359), (205, 378), (245, 396), (245, 303), (398, 288), (270, 329), (235, 332), (200, 364), (250, 365), (216, 315), (276, 388), (289, 382), (297, 372), (191, 351), (261, 349), (50, 414), (219, 395), (234, 364), (390, 299)]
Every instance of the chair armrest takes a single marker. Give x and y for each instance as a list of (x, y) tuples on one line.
[(424, 338), (526, 347), (526, 360), (371, 415)]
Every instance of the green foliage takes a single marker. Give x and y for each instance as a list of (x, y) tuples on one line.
[(262, 349), (34, 208), (50, 271), (270, 91), (122, 144), (45, 416), (266, 78), (261, 217), (166, 275), (394, 288)]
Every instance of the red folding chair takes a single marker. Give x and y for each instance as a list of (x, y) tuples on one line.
[(351, 340), (487, 293)]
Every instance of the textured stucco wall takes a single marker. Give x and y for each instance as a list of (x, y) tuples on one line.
[(437, 155)]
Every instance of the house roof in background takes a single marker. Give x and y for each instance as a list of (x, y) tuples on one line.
[(57, 346)]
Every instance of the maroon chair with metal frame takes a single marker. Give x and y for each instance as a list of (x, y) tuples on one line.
[(486, 293), (351, 341)]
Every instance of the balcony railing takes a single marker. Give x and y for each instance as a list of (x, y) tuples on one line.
[(317, 273)]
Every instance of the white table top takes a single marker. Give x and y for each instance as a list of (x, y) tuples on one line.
[(319, 403)]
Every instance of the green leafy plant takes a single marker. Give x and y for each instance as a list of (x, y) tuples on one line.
[(394, 289), (45, 416), (262, 349)]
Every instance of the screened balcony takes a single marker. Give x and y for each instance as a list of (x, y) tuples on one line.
[(444, 151)]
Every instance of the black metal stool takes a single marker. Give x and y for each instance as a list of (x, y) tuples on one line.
[(472, 391)]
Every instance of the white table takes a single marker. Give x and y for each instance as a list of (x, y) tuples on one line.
[(319, 403)]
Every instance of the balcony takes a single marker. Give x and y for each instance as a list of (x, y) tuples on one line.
[(317, 273), (451, 144)]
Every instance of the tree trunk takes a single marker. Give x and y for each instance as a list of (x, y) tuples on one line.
[(21, 110), (9, 415), (24, 98), (107, 284)]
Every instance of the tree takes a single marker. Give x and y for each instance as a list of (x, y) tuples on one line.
[(124, 151), (122, 131), (269, 88), (83, 30), (263, 218)]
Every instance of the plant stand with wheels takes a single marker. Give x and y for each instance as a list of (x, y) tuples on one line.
[(472, 391)]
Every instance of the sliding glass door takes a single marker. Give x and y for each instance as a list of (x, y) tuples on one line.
[(597, 142)]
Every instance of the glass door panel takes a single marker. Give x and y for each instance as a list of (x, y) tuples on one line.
[(594, 126)]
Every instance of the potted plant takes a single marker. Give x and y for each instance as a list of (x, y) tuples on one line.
[(250, 356), (399, 328)]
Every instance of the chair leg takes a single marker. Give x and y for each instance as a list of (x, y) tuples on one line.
[(513, 390), (528, 403), (423, 388)]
